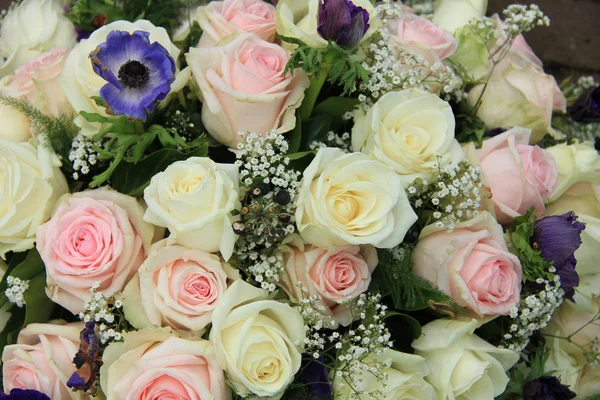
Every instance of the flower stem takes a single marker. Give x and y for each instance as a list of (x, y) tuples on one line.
[(139, 127), (310, 96)]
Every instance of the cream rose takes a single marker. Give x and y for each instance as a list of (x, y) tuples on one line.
[(350, 199), (31, 184), (219, 19), (79, 81), (255, 339), (519, 93), (194, 199), (408, 130), (37, 82), (42, 359), (35, 26), (405, 379), (155, 364), (299, 19), (461, 364), (472, 264), (96, 236), (176, 287), (334, 275), (576, 162), (452, 14), (244, 88), (15, 125)]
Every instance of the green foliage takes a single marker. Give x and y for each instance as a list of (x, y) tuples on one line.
[(55, 133), (409, 292), (469, 128), (526, 371), (534, 266), (336, 62)]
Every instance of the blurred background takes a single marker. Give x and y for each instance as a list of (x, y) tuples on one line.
[(571, 45)]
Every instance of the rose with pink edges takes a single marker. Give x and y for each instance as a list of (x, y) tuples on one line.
[(518, 175), (42, 359), (177, 287), (245, 89), (97, 236), (155, 364), (472, 264), (334, 275), (219, 19)]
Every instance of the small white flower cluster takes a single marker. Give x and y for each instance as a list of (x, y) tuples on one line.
[(179, 124), (102, 310), (315, 322), (16, 290), (421, 7), (519, 18), (532, 314), (584, 83), (582, 132), (82, 155), (357, 346), (453, 196), (592, 354), (333, 140), (266, 269)]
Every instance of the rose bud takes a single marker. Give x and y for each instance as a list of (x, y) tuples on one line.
[(587, 107), (342, 22)]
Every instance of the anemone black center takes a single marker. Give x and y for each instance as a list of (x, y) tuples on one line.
[(134, 74)]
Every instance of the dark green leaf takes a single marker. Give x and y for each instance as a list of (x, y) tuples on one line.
[(336, 106), (38, 307), (295, 135), (315, 128), (93, 117), (132, 179), (30, 267), (299, 155)]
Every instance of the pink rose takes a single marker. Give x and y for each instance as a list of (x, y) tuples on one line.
[(472, 264), (244, 88), (518, 175), (154, 364), (42, 359), (37, 81), (422, 37), (177, 287), (93, 236), (219, 19), (334, 275)]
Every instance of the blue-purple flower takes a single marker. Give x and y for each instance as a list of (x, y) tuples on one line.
[(138, 73), (24, 394), (558, 237), (342, 22), (586, 108), (87, 360), (547, 388), (314, 374)]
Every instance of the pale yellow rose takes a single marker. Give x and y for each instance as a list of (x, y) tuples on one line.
[(351, 199), (408, 130), (461, 365), (299, 19), (31, 184), (255, 340), (194, 199), (405, 380), (452, 14), (79, 81), (35, 26), (15, 125)]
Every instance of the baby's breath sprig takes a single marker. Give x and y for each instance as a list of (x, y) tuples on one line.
[(333, 140), (16, 290), (452, 196), (83, 155), (107, 313)]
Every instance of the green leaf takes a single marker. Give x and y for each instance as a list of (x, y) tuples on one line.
[(315, 128), (132, 179), (299, 155), (30, 267), (336, 106), (38, 307), (404, 330), (408, 291), (538, 363), (93, 117), (295, 135)]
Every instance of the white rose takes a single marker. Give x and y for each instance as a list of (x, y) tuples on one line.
[(461, 364), (452, 14), (31, 184), (254, 339), (32, 28), (405, 379), (194, 199), (177, 287), (407, 130), (352, 199), (15, 125), (79, 81), (299, 19), (576, 162)]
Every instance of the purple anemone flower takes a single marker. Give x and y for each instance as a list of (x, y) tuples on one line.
[(24, 394), (587, 107), (547, 388), (138, 73), (315, 375), (342, 22), (87, 360), (558, 237)]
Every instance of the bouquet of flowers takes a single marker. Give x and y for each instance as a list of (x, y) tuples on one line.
[(296, 199)]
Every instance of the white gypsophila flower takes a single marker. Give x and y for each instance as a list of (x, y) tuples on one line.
[(16, 290)]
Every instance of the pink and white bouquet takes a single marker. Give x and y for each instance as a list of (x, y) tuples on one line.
[(296, 199)]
